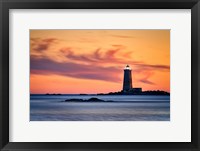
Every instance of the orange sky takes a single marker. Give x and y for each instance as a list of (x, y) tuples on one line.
[(92, 61)]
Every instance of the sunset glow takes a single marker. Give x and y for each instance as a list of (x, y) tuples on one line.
[(92, 61)]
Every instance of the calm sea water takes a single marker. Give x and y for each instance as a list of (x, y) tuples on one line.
[(125, 108)]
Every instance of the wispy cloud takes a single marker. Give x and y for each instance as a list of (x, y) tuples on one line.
[(146, 76), (164, 67), (99, 64), (146, 81), (100, 56), (38, 44), (47, 66)]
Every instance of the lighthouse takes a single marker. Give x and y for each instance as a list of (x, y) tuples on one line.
[(127, 84)]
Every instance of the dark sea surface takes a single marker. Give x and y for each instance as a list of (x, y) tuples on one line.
[(124, 108)]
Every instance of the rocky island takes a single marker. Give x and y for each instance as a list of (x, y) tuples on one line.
[(87, 100)]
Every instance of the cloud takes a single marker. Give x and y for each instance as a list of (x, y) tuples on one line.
[(119, 46), (146, 71), (143, 66), (146, 81), (99, 64), (112, 52), (39, 45), (145, 75), (100, 56), (97, 53), (46, 66), (69, 54), (110, 57)]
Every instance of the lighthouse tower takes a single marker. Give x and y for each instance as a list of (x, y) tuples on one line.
[(127, 84)]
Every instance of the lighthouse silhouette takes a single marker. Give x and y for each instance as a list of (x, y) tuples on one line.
[(127, 84)]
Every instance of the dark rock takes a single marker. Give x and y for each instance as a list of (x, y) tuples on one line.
[(74, 100), (83, 94), (88, 100), (95, 100), (53, 94)]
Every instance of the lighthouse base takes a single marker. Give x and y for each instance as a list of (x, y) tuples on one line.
[(134, 90)]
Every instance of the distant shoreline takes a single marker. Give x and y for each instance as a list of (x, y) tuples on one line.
[(97, 100), (154, 92)]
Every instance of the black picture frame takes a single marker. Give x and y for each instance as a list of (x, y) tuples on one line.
[(5, 5)]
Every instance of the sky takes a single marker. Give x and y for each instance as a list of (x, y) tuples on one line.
[(92, 61)]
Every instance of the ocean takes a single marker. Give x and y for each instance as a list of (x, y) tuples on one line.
[(124, 108)]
